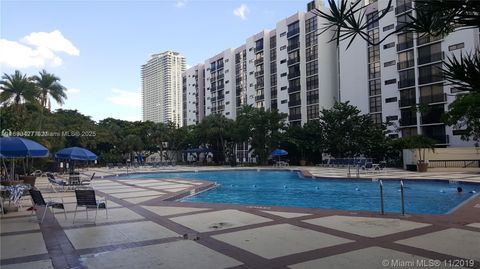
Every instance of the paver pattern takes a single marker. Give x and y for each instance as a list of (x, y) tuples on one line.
[(146, 228)]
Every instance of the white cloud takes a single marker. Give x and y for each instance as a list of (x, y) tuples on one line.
[(38, 49), (241, 12), (126, 98), (180, 3), (73, 91)]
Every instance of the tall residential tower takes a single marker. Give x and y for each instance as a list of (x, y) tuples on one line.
[(162, 88)]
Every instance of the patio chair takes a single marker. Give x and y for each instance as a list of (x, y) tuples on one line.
[(38, 201), (56, 183), (87, 199), (87, 181)]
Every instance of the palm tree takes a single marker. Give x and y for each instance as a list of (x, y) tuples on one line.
[(17, 89), (49, 86)]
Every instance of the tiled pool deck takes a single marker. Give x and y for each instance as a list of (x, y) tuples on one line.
[(145, 230)]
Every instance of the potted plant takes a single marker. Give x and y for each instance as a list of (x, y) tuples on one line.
[(421, 144)]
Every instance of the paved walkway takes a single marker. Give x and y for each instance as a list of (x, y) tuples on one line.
[(146, 230)]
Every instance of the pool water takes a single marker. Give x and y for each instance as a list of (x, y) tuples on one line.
[(283, 188)]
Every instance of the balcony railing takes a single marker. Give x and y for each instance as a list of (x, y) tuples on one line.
[(405, 64), (258, 49), (259, 73), (213, 99), (294, 46), (435, 57), (407, 121), (259, 97), (259, 86), (273, 94), (293, 75), (258, 61), (221, 96), (293, 32), (406, 83), (293, 61), (403, 8), (422, 40), (221, 107), (430, 79), (219, 66), (295, 117), (294, 103), (440, 139), (431, 118), (293, 89), (436, 98), (405, 102), (405, 45)]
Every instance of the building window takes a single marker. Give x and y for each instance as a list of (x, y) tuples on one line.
[(284, 101), (432, 94), (312, 112), (283, 47), (390, 63), (373, 54), (312, 68), (374, 87), (374, 70), (390, 81), (312, 97), (456, 46), (391, 100), (311, 24), (430, 73), (389, 45), (283, 34), (406, 78), (375, 104), (283, 74), (376, 118), (283, 61), (372, 20), (283, 88), (312, 82), (388, 27), (392, 118), (405, 59)]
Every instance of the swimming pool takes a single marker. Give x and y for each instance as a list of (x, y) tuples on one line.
[(284, 188)]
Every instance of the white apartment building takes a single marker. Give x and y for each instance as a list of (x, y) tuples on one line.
[(162, 88), (289, 68), (400, 81), (193, 89)]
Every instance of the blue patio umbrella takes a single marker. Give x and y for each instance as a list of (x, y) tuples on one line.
[(17, 147), (279, 152), (76, 154)]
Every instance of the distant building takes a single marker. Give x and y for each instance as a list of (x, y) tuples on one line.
[(193, 90), (162, 88)]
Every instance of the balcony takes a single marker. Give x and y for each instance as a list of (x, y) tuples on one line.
[(221, 96), (431, 118), (293, 47), (259, 73), (259, 86), (294, 103), (426, 39), (294, 89), (220, 76), (406, 102), (293, 32), (293, 75), (295, 117), (259, 49), (273, 94), (435, 57), (440, 139), (219, 66), (213, 69), (430, 79), (259, 97), (405, 64), (258, 61), (403, 8), (406, 83), (293, 61), (407, 122), (404, 45), (220, 87), (436, 98)]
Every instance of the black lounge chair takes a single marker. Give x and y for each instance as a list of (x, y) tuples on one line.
[(86, 198), (38, 201)]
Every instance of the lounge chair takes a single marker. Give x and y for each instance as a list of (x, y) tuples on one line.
[(87, 199), (38, 201), (56, 183)]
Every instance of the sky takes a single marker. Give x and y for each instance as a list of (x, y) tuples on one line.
[(97, 47)]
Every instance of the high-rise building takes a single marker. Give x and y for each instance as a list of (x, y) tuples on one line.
[(193, 95), (162, 88), (400, 80), (290, 68)]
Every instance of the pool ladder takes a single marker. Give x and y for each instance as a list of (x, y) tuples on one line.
[(382, 204)]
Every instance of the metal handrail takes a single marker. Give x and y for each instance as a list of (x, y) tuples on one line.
[(382, 208), (403, 197)]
